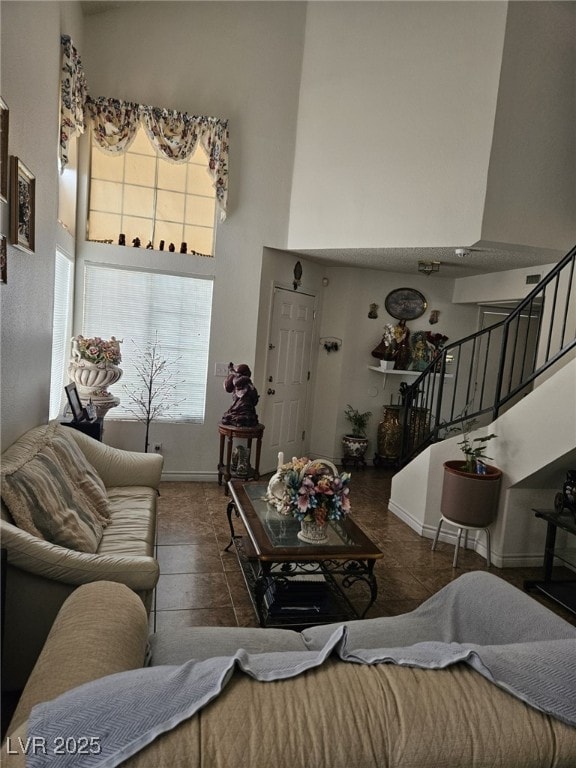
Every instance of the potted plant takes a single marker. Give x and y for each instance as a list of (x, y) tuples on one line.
[(93, 367), (355, 444), (471, 487)]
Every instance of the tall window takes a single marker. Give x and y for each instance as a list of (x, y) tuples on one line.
[(139, 194), (61, 331), (139, 306)]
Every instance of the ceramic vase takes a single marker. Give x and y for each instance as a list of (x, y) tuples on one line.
[(313, 532)]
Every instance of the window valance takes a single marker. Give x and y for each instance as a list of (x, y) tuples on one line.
[(175, 135), (73, 94)]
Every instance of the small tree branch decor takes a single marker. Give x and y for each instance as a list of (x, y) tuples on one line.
[(157, 379)]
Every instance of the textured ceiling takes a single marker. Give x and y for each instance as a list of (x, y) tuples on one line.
[(481, 258)]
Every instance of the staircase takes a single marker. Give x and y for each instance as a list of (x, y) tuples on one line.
[(517, 379), (493, 368)]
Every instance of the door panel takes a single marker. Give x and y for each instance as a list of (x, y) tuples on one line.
[(288, 366)]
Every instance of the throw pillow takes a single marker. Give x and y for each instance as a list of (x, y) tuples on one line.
[(80, 471), (43, 501)]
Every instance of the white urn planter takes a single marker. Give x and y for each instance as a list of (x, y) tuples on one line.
[(92, 381)]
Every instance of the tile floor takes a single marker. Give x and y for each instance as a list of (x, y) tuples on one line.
[(201, 584)]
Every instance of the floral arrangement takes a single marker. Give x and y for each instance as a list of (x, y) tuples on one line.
[(97, 350), (389, 337), (314, 490), (437, 340)]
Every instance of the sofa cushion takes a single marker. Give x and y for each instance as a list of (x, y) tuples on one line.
[(81, 472), (43, 499), (132, 528)]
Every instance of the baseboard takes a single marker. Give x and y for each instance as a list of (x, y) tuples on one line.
[(407, 518), (448, 535), (189, 477)]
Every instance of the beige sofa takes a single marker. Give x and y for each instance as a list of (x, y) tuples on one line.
[(337, 715), (51, 477)]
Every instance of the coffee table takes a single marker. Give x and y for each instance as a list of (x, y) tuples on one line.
[(293, 583)]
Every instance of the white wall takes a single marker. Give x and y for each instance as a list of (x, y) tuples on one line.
[(531, 192), (344, 377), (506, 286), (239, 61), (397, 107), (29, 72)]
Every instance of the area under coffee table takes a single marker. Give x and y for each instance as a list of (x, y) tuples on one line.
[(293, 583)]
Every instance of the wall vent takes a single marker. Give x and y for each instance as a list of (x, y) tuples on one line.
[(533, 279)]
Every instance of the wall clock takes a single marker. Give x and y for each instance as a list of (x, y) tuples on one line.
[(405, 303)]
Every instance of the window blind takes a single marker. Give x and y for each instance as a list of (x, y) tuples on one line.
[(143, 307), (61, 325)]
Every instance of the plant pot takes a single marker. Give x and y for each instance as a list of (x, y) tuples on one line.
[(313, 532), (354, 447), (470, 499)]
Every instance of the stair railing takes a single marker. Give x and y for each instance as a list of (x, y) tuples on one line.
[(487, 371)]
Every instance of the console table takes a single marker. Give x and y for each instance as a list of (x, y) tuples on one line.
[(562, 592)]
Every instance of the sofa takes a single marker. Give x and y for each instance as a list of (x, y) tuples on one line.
[(74, 511), (337, 715)]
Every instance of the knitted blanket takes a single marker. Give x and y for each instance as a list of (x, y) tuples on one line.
[(532, 656)]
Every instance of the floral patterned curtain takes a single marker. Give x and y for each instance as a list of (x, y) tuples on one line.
[(73, 94), (175, 135)]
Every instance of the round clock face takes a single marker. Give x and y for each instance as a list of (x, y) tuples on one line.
[(405, 304)]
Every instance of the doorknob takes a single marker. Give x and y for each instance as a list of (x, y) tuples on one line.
[(271, 391)]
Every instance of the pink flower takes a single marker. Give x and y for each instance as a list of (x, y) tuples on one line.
[(304, 494)]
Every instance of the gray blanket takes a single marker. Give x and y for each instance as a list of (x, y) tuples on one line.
[(523, 648)]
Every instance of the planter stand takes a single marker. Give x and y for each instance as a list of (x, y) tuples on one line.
[(461, 528), (469, 502)]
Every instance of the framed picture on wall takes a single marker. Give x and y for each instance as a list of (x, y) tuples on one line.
[(22, 205), (4, 115)]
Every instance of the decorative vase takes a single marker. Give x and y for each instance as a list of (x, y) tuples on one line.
[(390, 432), (93, 380), (354, 447), (313, 532), (387, 365)]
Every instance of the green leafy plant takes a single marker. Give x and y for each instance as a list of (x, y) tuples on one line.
[(473, 449), (358, 420)]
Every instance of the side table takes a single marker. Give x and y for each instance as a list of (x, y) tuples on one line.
[(562, 592), (91, 428), (228, 434)]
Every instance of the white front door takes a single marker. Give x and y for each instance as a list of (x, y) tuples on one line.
[(287, 376)]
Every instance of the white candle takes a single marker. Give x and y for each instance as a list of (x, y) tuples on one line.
[(280, 459)]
